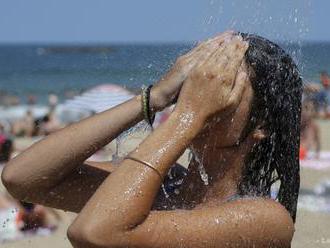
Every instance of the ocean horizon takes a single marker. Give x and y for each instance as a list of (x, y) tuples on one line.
[(40, 69)]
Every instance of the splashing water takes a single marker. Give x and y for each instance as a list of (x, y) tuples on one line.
[(201, 169), (288, 22), (137, 132)]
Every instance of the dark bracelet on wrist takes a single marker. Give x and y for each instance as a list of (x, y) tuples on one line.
[(147, 112)]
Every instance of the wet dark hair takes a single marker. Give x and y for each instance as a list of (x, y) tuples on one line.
[(276, 107)]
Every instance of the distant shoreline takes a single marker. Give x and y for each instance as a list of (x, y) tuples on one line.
[(68, 68)]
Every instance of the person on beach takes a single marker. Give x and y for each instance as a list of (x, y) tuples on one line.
[(49, 124), (323, 96), (24, 126), (238, 101), (319, 94), (309, 130)]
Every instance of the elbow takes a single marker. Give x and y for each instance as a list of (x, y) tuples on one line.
[(13, 183), (78, 238), (88, 235), (9, 179)]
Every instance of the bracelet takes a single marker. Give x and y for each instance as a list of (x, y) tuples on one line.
[(148, 115), (146, 164)]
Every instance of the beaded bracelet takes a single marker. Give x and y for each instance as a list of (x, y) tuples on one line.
[(148, 115)]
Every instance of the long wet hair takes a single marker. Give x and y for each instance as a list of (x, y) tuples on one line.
[(276, 108)]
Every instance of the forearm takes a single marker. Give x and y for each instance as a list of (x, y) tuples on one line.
[(134, 185), (54, 157), (166, 145)]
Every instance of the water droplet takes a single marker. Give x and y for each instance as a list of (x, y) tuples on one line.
[(164, 190), (202, 172)]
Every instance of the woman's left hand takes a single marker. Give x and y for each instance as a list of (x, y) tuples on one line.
[(217, 85), (165, 92)]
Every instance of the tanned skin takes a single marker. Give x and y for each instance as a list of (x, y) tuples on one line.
[(115, 204)]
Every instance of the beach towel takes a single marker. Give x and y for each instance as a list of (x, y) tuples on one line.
[(321, 163), (9, 225)]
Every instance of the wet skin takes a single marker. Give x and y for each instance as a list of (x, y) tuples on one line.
[(114, 206)]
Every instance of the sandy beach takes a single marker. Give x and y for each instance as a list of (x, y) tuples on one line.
[(64, 61), (312, 228)]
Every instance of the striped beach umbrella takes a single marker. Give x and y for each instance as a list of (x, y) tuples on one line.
[(98, 99)]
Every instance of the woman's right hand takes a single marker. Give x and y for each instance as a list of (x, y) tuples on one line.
[(217, 85), (166, 91)]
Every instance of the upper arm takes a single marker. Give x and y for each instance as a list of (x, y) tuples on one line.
[(243, 223), (72, 192)]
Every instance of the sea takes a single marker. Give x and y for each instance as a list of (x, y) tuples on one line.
[(63, 69)]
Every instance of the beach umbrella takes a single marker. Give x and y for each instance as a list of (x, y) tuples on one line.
[(98, 99), (95, 100)]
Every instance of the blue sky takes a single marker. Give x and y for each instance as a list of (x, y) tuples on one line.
[(159, 20)]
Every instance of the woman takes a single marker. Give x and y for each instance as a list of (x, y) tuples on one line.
[(238, 109), (309, 130)]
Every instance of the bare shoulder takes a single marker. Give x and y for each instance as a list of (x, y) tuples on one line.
[(269, 215), (273, 209), (247, 222)]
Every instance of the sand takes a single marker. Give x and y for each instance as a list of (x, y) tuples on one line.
[(312, 228)]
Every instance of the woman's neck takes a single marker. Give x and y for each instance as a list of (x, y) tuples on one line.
[(215, 175)]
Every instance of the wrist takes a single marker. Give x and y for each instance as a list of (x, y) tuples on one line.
[(157, 100), (200, 117), (190, 121)]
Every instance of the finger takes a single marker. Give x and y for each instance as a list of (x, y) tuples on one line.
[(212, 62), (237, 42), (238, 89), (210, 44), (218, 41), (208, 51), (200, 46), (223, 36), (198, 49), (219, 38), (228, 53), (233, 56), (202, 54), (205, 67), (227, 61)]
